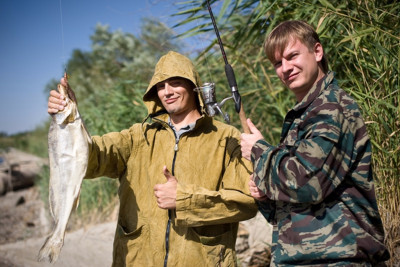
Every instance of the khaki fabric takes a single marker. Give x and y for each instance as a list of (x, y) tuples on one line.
[(212, 193), (171, 65)]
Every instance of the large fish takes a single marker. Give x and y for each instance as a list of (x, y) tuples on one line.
[(68, 142)]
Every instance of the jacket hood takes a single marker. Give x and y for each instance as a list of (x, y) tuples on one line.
[(170, 65)]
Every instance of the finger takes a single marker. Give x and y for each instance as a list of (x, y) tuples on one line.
[(57, 101), (167, 174), (52, 110), (259, 197), (54, 105), (64, 81), (155, 189), (252, 127), (56, 94)]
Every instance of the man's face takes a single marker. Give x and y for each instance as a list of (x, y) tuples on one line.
[(176, 96), (298, 67)]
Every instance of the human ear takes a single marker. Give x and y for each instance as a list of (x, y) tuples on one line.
[(318, 52)]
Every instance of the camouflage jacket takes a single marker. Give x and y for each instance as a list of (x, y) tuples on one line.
[(319, 185)]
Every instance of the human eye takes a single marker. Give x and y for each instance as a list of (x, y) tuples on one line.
[(175, 83), (277, 64), (294, 55), (160, 86)]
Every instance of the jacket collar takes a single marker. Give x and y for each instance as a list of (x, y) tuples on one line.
[(163, 118), (315, 91)]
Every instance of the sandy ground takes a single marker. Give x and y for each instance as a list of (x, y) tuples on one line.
[(25, 224), (90, 247), (24, 227)]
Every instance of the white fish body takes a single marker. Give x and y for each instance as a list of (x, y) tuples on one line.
[(68, 142)]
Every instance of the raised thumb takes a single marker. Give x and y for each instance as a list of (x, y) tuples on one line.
[(168, 174), (252, 127)]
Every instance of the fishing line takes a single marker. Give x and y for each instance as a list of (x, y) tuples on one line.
[(202, 43), (62, 38), (208, 64)]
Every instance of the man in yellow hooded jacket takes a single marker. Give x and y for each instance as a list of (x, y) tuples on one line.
[(183, 181)]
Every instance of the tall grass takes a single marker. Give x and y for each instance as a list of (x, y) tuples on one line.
[(368, 63), (362, 41)]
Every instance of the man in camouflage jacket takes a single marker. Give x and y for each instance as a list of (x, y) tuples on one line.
[(316, 186)]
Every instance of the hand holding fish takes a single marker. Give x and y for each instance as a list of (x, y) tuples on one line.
[(57, 101)]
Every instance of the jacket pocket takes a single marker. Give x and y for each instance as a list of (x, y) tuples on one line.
[(130, 247), (217, 249)]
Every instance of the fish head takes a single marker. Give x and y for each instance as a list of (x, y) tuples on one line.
[(62, 90), (69, 113)]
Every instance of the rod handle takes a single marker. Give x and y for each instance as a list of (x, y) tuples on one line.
[(243, 120)]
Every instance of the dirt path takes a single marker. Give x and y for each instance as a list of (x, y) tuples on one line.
[(23, 230), (85, 247)]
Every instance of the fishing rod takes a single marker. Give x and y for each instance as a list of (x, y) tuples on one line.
[(230, 75)]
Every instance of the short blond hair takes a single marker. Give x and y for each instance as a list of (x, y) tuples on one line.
[(288, 31)]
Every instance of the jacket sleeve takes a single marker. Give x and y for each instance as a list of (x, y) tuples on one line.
[(310, 164), (198, 206), (108, 154)]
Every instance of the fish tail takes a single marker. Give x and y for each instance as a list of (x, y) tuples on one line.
[(51, 248)]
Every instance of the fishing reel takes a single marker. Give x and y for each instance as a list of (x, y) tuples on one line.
[(207, 93)]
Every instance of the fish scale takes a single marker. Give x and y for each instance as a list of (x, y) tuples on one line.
[(68, 144)]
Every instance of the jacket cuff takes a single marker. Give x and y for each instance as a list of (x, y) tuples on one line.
[(183, 199), (257, 150)]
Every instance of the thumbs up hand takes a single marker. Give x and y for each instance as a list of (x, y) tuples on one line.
[(247, 141), (166, 193)]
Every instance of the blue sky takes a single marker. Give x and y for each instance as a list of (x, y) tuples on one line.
[(37, 40)]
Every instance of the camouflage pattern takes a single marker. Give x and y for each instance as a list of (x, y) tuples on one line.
[(319, 184)]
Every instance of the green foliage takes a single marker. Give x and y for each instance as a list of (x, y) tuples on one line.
[(361, 40), (109, 82), (34, 142)]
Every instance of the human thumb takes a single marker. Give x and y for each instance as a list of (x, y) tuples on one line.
[(168, 174), (252, 127)]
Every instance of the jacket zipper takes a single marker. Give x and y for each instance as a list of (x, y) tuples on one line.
[(169, 211)]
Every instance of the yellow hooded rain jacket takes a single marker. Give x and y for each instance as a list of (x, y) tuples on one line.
[(212, 191)]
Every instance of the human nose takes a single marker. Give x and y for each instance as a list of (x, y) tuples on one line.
[(168, 89), (286, 66)]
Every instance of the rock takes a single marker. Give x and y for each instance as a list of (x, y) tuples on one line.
[(253, 244)]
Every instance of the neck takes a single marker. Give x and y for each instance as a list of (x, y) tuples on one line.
[(302, 94), (181, 120)]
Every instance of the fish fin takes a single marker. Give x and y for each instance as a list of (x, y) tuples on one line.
[(51, 248)]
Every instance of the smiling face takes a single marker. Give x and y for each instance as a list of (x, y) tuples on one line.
[(298, 67), (177, 96)]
